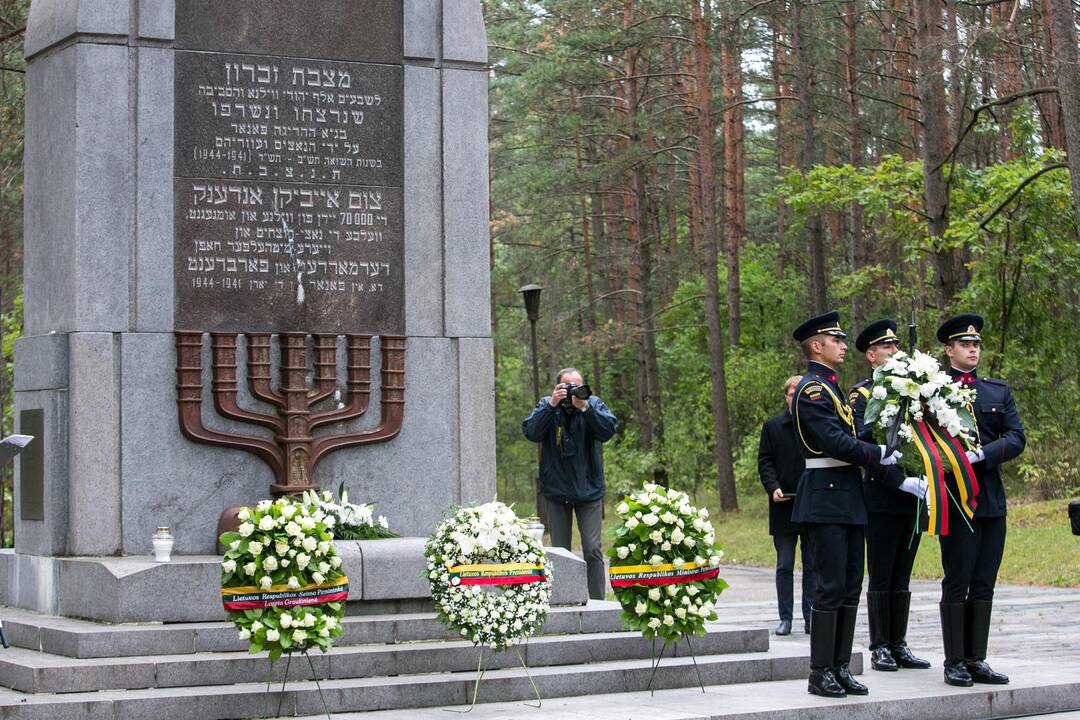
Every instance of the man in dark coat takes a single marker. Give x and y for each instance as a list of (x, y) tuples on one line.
[(970, 559), (780, 464), (570, 429), (829, 503), (892, 533)]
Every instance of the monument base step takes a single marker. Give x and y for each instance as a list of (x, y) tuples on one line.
[(1037, 689), (251, 700)]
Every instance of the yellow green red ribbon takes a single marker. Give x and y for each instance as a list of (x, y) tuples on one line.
[(626, 575), (942, 453), (498, 574), (250, 597)]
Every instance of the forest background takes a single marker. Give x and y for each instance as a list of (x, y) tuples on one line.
[(688, 180)]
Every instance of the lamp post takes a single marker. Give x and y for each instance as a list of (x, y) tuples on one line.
[(531, 295)]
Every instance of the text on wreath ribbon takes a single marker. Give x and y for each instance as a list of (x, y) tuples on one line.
[(250, 597), (497, 574), (626, 575)]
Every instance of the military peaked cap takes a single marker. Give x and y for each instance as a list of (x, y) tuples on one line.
[(878, 332), (961, 327), (827, 324)]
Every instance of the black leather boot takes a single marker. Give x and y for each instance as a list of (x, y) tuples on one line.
[(845, 636), (976, 633), (822, 649), (877, 612), (901, 606), (952, 637)]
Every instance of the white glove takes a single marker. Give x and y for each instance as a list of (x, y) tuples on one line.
[(891, 459), (917, 486), (975, 456)]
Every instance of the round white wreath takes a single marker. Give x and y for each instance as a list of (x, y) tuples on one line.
[(494, 615)]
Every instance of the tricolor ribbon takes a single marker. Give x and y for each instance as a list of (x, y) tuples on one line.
[(942, 453), (626, 575), (251, 597), (498, 574)]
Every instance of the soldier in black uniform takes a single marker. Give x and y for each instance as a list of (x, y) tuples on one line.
[(829, 503), (969, 559), (892, 535)]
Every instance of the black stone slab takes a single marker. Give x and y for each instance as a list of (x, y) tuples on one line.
[(287, 120), (364, 30), (243, 248), (32, 466)]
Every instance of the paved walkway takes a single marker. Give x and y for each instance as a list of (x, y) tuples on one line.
[(1035, 638)]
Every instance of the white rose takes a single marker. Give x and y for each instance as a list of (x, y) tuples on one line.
[(336, 562), (286, 621), (668, 620), (631, 523), (265, 582), (677, 536), (622, 508), (880, 393), (234, 545), (288, 511), (293, 529), (255, 548), (680, 613), (324, 633), (281, 547), (668, 518), (623, 552), (656, 560), (256, 626), (654, 623), (270, 563), (383, 523), (650, 519), (299, 635), (325, 567), (656, 536), (244, 515), (284, 562), (263, 505), (309, 620), (318, 578), (331, 622), (245, 634), (302, 561), (666, 547), (249, 569), (692, 590), (267, 523), (654, 594), (672, 590), (310, 544), (293, 582), (229, 566), (641, 608), (272, 635), (246, 529)]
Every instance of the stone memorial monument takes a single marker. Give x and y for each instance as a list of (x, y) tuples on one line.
[(256, 261)]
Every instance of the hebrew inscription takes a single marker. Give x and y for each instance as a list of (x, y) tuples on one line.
[(287, 195)]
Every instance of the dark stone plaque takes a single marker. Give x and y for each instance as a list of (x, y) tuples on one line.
[(244, 249), (287, 195), (362, 30), (32, 466), (288, 120)]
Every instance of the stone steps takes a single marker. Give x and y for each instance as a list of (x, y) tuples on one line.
[(88, 639), (249, 700), (33, 671)]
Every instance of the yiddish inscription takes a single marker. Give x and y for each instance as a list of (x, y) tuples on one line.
[(287, 195)]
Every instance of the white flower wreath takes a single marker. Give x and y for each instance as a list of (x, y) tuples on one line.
[(489, 579)]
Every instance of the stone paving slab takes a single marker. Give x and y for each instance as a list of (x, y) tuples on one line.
[(1037, 687)]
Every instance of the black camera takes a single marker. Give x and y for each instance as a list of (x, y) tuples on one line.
[(573, 390)]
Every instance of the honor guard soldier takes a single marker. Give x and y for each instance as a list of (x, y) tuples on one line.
[(829, 503), (892, 535), (970, 559)]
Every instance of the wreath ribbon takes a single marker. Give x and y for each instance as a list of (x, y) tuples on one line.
[(251, 597), (626, 575), (942, 453), (498, 574)]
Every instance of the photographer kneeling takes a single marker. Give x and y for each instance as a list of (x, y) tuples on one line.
[(571, 424)]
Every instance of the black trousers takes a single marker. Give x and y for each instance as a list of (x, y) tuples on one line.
[(838, 564), (785, 580), (970, 559), (891, 544), (590, 515)]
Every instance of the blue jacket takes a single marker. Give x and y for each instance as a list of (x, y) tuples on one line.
[(881, 485), (571, 464)]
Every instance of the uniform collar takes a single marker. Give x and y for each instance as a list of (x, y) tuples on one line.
[(967, 378), (823, 370)]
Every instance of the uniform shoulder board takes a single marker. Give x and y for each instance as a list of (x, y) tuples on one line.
[(812, 389), (995, 381), (861, 383)]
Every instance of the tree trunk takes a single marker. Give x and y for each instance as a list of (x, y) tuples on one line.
[(852, 19), (804, 84), (931, 84), (706, 129), (734, 174), (1063, 33)]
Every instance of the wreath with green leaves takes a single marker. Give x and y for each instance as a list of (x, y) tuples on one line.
[(281, 579), (664, 564), (490, 579)]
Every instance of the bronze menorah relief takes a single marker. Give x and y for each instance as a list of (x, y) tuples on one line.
[(294, 451)]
